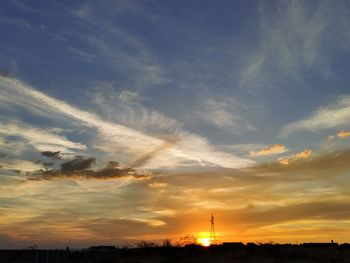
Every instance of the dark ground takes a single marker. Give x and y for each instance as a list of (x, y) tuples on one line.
[(235, 252)]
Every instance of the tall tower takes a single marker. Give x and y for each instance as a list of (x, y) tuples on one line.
[(212, 230)]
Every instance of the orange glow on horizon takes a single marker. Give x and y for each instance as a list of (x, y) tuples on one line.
[(204, 241)]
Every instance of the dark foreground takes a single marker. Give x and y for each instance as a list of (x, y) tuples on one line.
[(232, 252)]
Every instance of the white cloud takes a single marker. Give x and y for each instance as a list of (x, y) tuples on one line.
[(21, 165), (127, 95), (191, 150), (40, 139), (28, 8), (118, 138), (124, 107), (90, 58), (18, 22), (224, 114), (143, 70), (334, 115)]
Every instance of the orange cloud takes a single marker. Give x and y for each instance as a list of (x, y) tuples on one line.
[(298, 156), (284, 161), (343, 134), (158, 185), (273, 149), (304, 154)]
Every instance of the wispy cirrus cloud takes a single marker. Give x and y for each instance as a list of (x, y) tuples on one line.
[(27, 8), (331, 116), (84, 55), (190, 148), (224, 114), (21, 166), (294, 39), (136, 62), (124, 107), (41, 139)]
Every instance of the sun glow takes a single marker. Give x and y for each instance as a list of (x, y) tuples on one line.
[(204, 241)]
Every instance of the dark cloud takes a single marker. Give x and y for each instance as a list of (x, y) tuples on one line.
[(77, 164), (326, 210), (102, 230), (79, 167), (53, 155), (319, 167), (336, 162), (4, 73), (322, 167)]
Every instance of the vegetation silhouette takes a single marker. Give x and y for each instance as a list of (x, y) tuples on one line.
[(144, 251)]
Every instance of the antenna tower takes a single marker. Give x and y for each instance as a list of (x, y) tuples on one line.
[(212, 230)]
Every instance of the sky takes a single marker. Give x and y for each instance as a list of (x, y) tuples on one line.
[(135, 120)]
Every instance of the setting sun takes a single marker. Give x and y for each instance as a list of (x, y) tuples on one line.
[(204, 241), (203, 238)]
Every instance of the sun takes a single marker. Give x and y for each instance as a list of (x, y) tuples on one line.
[(204, 241)]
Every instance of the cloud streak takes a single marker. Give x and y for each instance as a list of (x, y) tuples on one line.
[(21, 166), (305, 154), (270, 150), (331, 116), (127, 139), (41, 139), (343, 134), (224, 115)]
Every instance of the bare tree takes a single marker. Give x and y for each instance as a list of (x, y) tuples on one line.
[(187, 240)]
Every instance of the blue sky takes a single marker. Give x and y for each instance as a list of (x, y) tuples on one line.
[(166, 88)]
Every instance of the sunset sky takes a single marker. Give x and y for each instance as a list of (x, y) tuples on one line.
[(134, 120)]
